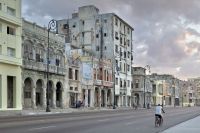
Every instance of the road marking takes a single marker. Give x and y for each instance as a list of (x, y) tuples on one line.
[(40, 128), (103, 120)]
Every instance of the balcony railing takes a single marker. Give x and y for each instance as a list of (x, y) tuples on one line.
[(40, 66)]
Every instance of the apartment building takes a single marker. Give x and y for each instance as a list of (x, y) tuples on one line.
[(107, 36), (196, 81), (10, 55)]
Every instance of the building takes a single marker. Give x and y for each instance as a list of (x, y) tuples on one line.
[(196, 81), (102, 71), (34, 69), (141, 87), (10, 55), (165, 89), (74, 81), (95, 79), (107, 36)]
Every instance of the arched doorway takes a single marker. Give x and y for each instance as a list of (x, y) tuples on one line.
[(109, 97), (39, 92), (28, 86), (96, 97), (102, 98), (50, 95), (58, 94), (137, 99)]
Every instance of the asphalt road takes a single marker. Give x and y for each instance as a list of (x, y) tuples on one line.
[(117, 121)]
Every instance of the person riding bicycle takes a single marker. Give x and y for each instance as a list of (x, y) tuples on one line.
[(159, 111)]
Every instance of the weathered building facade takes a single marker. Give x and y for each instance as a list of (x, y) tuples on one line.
[(34, 69), (141, 87), (108, 37)]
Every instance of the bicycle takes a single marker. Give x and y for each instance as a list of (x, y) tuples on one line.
[(158, 121)]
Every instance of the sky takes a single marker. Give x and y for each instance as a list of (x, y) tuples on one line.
[(166, 32)]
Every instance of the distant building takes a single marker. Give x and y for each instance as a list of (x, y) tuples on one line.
[(10, 55), (107, 36)]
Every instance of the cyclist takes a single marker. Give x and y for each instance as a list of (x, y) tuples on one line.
[(158, 113)]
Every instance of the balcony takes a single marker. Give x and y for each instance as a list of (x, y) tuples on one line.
[(107, 83), (98, 82), (40, 66)]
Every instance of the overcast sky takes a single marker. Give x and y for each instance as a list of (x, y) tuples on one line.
[(166, 36)]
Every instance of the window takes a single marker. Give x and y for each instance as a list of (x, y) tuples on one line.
[(70, 73), (11, 11), (116, 61), (120, 40), (105, 47), (83, 22), (71, 88), (129, 54), (0, 6), (124, 83), (97, 35), (128, 30), (57, 62), (136, 83), (37, 57), (124, 54), (10, 31), (105, 20), (76, 74), (116, 48), (116, 36), (120, 82), (116, 81), (11, 52), (97, 48), (128, 67), (105, 34), (128, 43), (76, 89), (97, 21), (124, 67)]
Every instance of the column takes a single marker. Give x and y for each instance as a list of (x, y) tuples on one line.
[(33, 97), (105, 97), (126, 100), (44, 98), (92, 93), (63, 99), (4, 92), (86, 98), (99, 97), (54, 98)]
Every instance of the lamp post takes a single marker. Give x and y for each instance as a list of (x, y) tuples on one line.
[(148, 67), (162, 93), (51, 26)]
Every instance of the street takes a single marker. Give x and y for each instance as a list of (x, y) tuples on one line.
[(114, 121)]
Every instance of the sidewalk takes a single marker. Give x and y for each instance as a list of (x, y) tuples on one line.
[(56, 111), (190, 126)]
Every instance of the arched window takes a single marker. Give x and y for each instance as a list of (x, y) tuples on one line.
[(39, 53), (28, 50)]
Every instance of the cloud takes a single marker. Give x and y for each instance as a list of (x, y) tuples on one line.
[(166, 31)]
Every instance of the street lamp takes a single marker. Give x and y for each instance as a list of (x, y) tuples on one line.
[(51, 26), (146, 67)]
